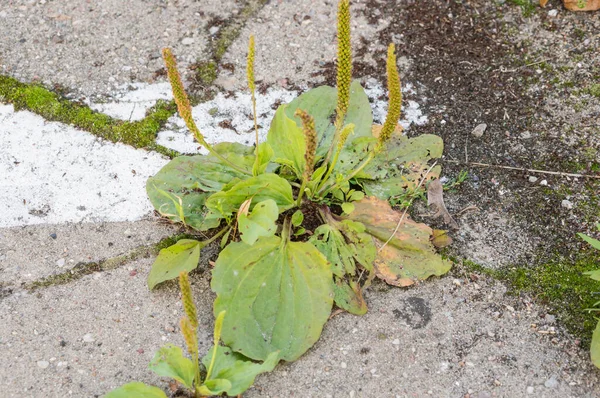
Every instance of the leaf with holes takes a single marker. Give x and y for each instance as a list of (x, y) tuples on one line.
[(278, 295), (409, 256)]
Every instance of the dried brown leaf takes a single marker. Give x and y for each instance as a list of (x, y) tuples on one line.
[(435, 198), (582, 5)]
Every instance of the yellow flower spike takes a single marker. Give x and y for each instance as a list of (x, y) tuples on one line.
[(346, 131), (189, 335), (395, 101), (251, 85), (344, 61), (186, 298), (310, 137), (250, 64), (181, 99)]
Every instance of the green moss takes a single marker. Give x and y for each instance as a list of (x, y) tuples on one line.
[(528, 7), (561, 285), (594, 90), (51, 106), (82, 269)]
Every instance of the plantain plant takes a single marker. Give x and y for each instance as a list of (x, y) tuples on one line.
[(304, 218), (225, 371)]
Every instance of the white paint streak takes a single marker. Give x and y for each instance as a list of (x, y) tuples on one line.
[(54, 173), (234, 111), (133, 100)]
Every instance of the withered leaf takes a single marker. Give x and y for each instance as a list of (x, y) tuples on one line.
[(435, 198)]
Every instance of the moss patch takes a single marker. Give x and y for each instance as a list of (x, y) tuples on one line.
[(51, 106), (558, 284), (82, 269)]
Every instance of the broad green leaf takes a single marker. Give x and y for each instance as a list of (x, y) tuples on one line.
[(347, 207), (321, 103), (595, 275), (595, 347), (265, 154), (136, 390), (170, 362), (329, 241), (259, 188), (182, 256), (237, 369), (214, 387), (349, 297), (595, 243), (402, 166), (287, 141), (297, 218), (277, 294), (409, 255), (260, 222)]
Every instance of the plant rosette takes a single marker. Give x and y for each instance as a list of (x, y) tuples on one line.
[(304, 218)]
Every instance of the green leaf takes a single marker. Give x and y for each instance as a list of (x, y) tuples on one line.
[(409, 255), (214, 387), (178, 191), (136, 390), (259, 188), (170, 362), (237, 369), (297, 218), (182, 256), (321, 103), (595, 275), (329, 241), (595, 243), (349, 297), (402, 166), (260, 222), (265, 154), (347, 207), (277, 294), (287, 141), (595, 347)]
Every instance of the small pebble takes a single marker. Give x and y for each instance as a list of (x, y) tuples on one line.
[(552, 13), (533, 179), (396, 342), (43, 364), (60, 262), (544, 182), (530, 390), (53, 235), (88, 338), (213, 30), (343, 365), (551, 382), (567, 204), (479, 130), (187, 41)]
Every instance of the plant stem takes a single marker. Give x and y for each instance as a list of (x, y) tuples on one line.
[(301, 192), (329, 170)]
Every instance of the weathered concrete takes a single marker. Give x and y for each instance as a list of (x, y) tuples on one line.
[(33, 252), (93, 47)]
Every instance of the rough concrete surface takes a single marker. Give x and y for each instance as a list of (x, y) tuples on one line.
[(29, 253), (94, 47), (528, 77)]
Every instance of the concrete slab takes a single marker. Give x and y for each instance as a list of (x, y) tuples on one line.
[(89, 337), (445, 338), (294, 40), (33, 252), (448, 338), (94, 47)]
